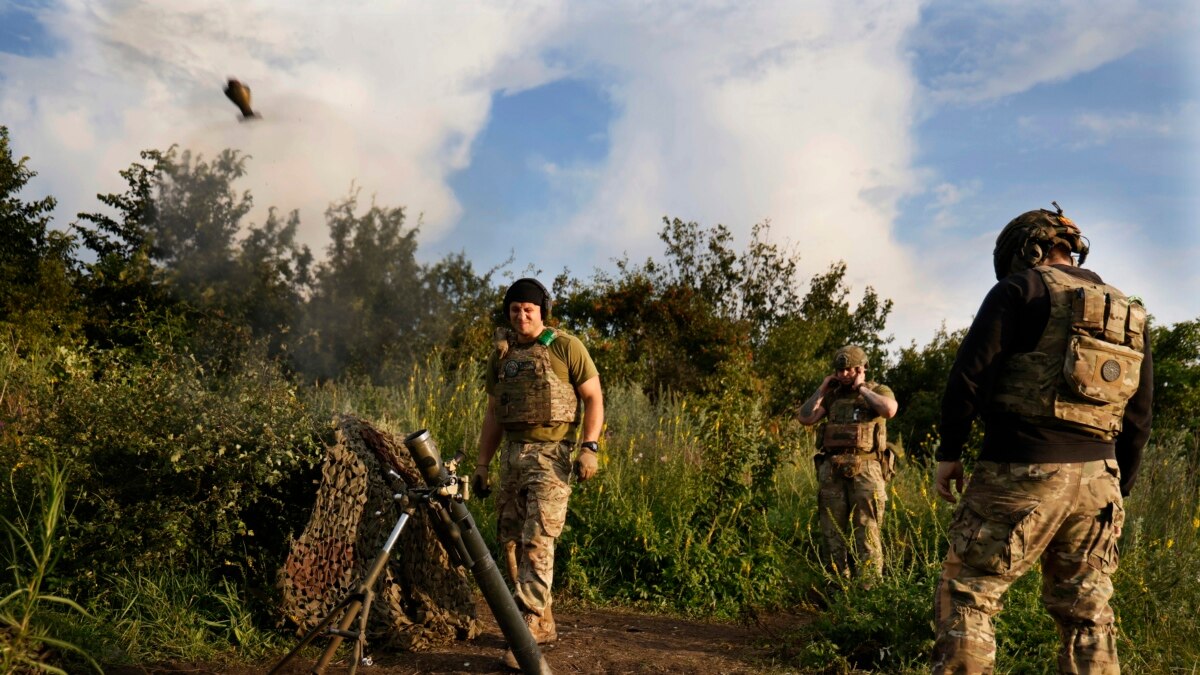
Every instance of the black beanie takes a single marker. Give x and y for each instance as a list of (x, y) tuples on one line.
[(527, 290)]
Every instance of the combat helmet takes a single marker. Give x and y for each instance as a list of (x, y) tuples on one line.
[(1027, 239), (849, 356)]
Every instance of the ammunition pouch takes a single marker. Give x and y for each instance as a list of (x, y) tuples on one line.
[(1101, 372), (848, 438), (848, 465), (887, 460)]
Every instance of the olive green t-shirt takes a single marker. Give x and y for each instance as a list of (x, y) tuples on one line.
[(571, 363)]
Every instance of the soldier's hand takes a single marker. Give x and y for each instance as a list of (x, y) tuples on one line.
[(828, 384), (859, 379), (479, 482), (586, 464), (947, 472)]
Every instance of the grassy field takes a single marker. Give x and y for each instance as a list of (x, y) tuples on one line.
[(704, 507)]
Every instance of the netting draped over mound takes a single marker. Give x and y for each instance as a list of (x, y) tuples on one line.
[(420, 598)]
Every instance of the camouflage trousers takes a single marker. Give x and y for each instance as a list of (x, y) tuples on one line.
[(532, 508), (1067, 515), (851, 495)]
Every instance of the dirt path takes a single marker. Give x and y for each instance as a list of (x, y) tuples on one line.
[(590, 641)]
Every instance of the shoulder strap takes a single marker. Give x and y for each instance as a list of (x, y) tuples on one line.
[(501, 337)]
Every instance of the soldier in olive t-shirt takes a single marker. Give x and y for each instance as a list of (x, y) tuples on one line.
[(543, 392)]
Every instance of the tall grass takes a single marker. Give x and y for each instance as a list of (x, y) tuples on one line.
[(177, 615), (703, 506), (450, 402), (660, 528), (28, 630), (889, 627), (677, 519), (1157, 596)]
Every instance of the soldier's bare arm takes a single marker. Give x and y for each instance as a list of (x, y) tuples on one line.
[(489, 440), (593, 423), (812, 411), (884, 406)]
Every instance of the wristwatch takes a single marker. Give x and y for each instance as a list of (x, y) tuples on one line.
[(590, 446)]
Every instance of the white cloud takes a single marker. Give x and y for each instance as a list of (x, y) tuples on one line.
[(1095, 128), (947, 197), (989, 49), (385, 95), (1073, 130), (725, 112), (1129, 256), (735, 113)]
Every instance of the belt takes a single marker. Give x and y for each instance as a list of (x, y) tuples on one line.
[(848, 451)]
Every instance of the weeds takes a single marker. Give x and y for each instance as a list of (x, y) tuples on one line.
[(27, 639), (703, 506), (178, 616), (889, 628)]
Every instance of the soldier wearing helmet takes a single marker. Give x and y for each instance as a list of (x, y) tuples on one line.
[(853, 462), (543, 394), (1057, 364)]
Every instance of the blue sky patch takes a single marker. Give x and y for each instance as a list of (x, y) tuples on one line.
[(1089, 142), (22, 34), (535, 151)]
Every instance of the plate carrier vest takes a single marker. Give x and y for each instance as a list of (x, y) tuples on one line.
[(852, 426), (528, 392), (1086, 365)]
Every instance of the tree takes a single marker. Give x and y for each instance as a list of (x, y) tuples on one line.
[(462, 322), (171, 248), (369, 303), (675, 324), (796, 353), (272, 277), (758, 286), (36, 270), (1176, 351), (919, 378), (197, 218), (670, 325), (121, 288)]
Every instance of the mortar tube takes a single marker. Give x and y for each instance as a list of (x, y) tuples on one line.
[(478, 557)]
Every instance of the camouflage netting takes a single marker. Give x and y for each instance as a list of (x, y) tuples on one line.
[(420, 599)]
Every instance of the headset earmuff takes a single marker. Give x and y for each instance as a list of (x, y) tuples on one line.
[(1032, 252)]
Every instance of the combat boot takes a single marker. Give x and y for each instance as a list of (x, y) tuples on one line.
[(545, 630), (542, 629)]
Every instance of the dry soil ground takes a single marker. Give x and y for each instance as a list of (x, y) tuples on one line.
[(590, 641)]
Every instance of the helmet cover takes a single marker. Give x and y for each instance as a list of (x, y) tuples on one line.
[(1027, 239), (849, 356)]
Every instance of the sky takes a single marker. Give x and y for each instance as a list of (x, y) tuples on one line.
[(898, 136)]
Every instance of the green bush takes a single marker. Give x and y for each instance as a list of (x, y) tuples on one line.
[(172, 467)]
